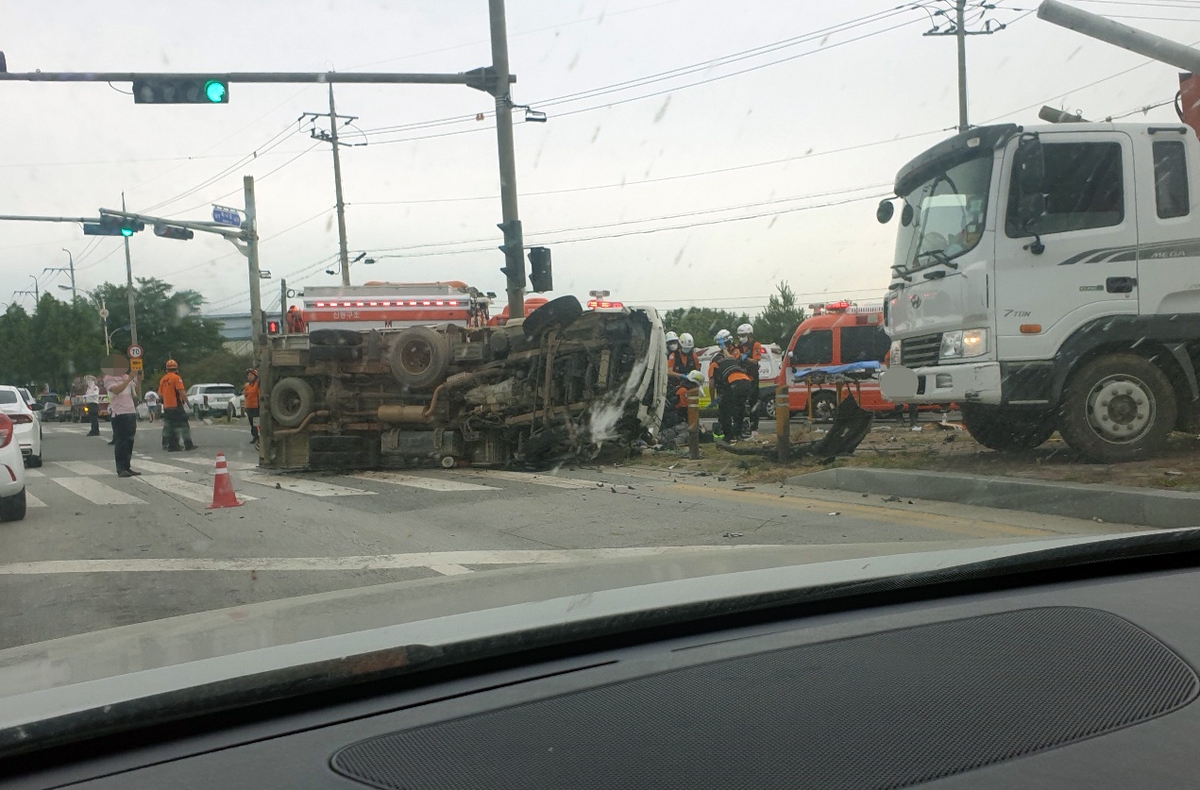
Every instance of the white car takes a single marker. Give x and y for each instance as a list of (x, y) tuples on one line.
[(27, 427), (12, 473), (206, 400)]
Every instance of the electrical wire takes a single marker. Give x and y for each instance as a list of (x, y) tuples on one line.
[(261, 178)]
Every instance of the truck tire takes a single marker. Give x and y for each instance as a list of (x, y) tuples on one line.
[(1006, 430), (291, 401), (12, 508), (556, 312), (335, 337), (824, 405), (419, 357), (1119, 407)]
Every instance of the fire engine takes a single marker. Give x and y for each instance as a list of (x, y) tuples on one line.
[(384, 305)]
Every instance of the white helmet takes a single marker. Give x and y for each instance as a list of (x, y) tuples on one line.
[(686, 342), (671, 336), (745, 329), (723, 337)]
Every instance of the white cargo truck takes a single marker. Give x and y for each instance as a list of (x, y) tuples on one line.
[(1048, 277)]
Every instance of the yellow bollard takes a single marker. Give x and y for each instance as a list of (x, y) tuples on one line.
[(782, 423)]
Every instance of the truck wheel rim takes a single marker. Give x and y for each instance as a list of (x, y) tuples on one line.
[(1120, 409), (415, 357)]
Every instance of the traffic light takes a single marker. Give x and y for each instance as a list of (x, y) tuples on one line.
[(272, 327), (540, 276), (172, 232), (514, 267), (113, 226), (185, 90)]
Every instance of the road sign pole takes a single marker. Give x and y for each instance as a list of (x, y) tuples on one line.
[(129, 285)]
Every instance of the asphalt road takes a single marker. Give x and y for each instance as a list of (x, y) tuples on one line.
[(96, 551)]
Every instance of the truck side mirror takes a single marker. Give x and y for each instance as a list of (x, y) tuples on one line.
[(885, 211)]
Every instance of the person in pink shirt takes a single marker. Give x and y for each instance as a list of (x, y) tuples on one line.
[(121, 384)]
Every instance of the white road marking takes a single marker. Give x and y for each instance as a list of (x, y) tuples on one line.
[(32, 501), (450, 569), (431, 559), (82, 468), (415, 481), (211, 463), (144, 465), (193, 491), (537, 479), (302, 486), (96, 492), (34, 473)]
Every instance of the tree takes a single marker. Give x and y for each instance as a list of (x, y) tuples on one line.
[(778, 321), (702, 322), (169, 323)]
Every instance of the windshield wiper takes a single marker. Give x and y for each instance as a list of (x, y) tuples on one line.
[(939, 256)]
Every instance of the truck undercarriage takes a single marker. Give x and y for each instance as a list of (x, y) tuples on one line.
[(561, 386)]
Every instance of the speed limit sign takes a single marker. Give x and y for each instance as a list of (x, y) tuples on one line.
[(135, 352)]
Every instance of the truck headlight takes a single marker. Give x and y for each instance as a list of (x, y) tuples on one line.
[(963, 343), (894, 356)]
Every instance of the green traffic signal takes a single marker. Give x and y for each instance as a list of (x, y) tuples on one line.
[(214, 91), (126, 231)]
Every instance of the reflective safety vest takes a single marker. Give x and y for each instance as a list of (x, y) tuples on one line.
[(682, 363), (171, 390), (250, 392)]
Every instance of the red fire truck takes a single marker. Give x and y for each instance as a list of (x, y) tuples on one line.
[(835, 334), (380, 305)]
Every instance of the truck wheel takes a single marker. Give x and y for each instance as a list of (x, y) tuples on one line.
[(1006, 430), (291, 401), (419, 357), (335, 337), (824, 405), (12, 508), (1118, 408)]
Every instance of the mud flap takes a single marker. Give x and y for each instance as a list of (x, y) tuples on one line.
[(851, 423)]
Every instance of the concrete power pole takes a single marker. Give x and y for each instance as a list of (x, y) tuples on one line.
[(513, 241), (958, 29), (129, 287), (332, 137), (71, 269), (250, 226)]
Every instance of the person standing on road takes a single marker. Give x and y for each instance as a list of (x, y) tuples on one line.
[(728, 380), (250, 393), (91, 402), (175, 416), (152, 404), (121, 384), (751, 352)]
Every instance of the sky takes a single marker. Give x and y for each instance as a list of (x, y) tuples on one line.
[(696, 152)]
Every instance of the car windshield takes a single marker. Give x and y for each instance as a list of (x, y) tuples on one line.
[(943, 217), (353, 326)]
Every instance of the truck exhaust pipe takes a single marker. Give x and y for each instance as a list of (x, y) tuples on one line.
[(1119, 35)]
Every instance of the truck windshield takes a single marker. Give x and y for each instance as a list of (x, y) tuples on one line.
[(945, 215)]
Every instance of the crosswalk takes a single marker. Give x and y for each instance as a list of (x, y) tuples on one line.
[(187, 479)]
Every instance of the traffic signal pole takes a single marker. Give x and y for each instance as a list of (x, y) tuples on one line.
[(514, 265), (250, 228), (129, 286)]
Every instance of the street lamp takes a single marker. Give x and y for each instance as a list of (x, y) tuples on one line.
[(109, 335)]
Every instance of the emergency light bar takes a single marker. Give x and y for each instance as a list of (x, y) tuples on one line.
[(599, 304)]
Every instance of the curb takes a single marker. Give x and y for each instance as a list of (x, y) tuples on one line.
[(1118, 504)]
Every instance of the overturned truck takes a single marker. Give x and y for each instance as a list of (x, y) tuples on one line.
[(562, 385)]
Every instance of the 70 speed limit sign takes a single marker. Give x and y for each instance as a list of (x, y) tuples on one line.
[(135, 352)]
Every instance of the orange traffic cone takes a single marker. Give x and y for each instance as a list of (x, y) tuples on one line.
[(222, 486)]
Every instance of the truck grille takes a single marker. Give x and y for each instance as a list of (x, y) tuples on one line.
[(920, 352)]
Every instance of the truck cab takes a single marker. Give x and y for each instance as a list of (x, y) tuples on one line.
[(1046, 278)]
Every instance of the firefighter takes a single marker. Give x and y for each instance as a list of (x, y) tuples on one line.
[(250, 393), (680, 362), (729, 382), (751, 352), (672, 343), (175, 416), (295, 320)]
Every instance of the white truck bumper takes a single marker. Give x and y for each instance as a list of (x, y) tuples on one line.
[(968, 382)]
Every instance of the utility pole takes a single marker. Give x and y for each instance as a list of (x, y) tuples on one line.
[(958, 28), (250, 227), (514, 242), (37, 296), (69, 268), (331, 137), (129, 287), (283, 306)]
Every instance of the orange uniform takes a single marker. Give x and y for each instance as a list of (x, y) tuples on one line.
[(171, 390), (250, 392)]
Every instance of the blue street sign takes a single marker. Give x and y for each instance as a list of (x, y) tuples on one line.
[(227, 216)]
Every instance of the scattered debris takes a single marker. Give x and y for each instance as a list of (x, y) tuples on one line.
[(892, 498), (278, 486), (744, 488), (733, 534), (722, 479), (1173, 472), (1097, 519), (835, 513)]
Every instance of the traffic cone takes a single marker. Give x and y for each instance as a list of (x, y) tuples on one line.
[(222, 486)]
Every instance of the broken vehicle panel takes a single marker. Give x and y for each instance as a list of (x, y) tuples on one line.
[(561, 385)]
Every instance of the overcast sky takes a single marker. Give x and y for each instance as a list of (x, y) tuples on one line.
[(776, 169)]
